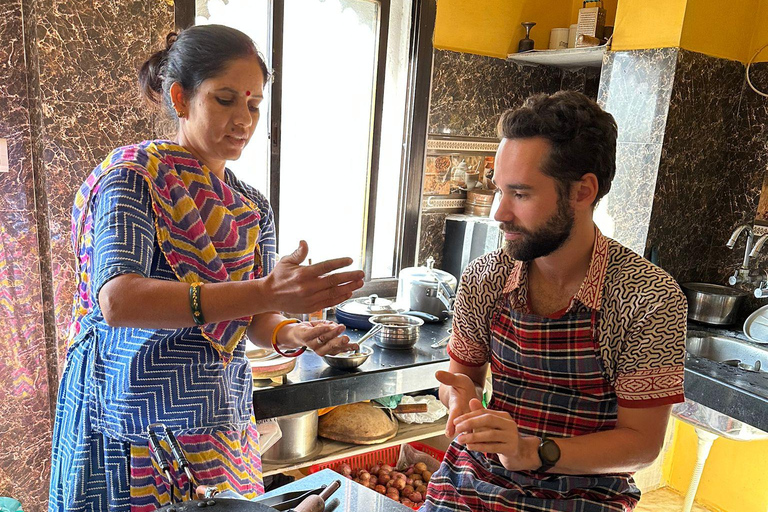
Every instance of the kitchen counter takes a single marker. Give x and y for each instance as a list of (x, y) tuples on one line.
[(313, 384), (350, 497), (738, 393)]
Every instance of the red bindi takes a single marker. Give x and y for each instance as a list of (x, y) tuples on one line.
[(247, 93)]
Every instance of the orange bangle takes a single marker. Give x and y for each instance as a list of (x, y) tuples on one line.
[(291, 353)]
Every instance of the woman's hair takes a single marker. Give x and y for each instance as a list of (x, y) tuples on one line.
[(191, 57), (582, 136)]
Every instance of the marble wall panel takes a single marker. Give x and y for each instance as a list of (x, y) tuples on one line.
[(90, 50), (698, 177), (431, 238), (469, 92), (13, 83), (635, 87), (16, 186)]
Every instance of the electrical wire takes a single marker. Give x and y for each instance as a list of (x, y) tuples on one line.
[(751, 86)]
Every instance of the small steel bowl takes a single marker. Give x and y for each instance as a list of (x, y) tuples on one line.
[(349, 360), (400, 332)]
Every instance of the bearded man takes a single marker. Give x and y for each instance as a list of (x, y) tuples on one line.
[(585, 339)]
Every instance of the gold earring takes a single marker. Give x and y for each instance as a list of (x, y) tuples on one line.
[(180, 114)]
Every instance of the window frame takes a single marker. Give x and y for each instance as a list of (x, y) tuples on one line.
[(414, 134)]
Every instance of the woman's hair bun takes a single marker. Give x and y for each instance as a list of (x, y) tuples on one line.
[(170, 39)]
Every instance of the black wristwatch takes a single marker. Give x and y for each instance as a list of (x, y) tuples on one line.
[(549, 453)]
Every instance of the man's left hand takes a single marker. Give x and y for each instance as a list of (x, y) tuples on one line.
[(490, 431)]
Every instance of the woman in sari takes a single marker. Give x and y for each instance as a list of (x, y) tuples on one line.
[(176, 265)]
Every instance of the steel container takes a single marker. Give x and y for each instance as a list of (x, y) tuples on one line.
[(398, 331), (713, 303)]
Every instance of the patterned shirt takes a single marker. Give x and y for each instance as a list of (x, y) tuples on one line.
[(640, 310)]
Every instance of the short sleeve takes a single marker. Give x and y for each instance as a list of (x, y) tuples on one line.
[(124, 230), (651, 364), (481, 286)]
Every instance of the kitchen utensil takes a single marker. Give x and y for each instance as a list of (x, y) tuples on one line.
[(443, 341), (267, 364), (405, 408), (315, 503), (526, 43), (221, 505), (299, 441), (558, 38), (427, 289), (355, 313), (399, 331), (756, 326), (288, 500), (349, 360), (479, 202), (712, 303)]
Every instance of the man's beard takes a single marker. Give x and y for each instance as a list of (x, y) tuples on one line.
[(543, 241)]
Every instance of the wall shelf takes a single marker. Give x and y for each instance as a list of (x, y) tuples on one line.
[(569, 58), (333, 450)]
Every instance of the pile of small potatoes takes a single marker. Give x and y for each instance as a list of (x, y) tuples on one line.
[(408, 487)]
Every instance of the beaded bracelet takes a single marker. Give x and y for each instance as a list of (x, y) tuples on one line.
[(291, 353), (194, 303)]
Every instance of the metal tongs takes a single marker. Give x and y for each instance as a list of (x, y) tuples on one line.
[(162, 461)]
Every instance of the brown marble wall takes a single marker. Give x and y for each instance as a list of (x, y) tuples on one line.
[(711, 170), (469, 94), (68, 94)]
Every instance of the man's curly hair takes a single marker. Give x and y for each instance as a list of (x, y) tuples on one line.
[(582, 136)]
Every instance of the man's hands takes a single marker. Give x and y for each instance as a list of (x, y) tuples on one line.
[(460, 389), (295, 288), (489, 431)]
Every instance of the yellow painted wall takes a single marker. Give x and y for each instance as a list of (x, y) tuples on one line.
[(760, 32), (492, 27), (735, 477), (720, 30), (641, 25)]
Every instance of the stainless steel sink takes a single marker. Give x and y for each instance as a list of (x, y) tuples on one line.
[(734, 352), (730, 350)]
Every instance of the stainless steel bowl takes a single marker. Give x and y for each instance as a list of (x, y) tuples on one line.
[(713, 303), (400, 332), (349, 360)]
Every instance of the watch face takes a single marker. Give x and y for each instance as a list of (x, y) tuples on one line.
[(549, 452)]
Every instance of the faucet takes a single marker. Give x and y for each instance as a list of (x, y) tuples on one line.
[(741, 275)]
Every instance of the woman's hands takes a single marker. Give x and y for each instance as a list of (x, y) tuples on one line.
[(294, 288), (322, 336)]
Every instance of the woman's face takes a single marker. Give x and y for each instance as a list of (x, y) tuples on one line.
[(222, 114)]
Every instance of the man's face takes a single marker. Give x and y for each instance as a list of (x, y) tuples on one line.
[(535, 219)]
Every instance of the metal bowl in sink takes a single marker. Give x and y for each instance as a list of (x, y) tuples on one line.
[(712, 303), (731, 351)]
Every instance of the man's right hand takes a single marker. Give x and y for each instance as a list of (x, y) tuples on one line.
[(294, 288), (459, 389)]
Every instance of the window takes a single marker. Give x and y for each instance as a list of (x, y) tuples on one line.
[(331, 150)]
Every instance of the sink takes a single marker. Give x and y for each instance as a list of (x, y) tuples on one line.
[(722, 348), (736, 352)]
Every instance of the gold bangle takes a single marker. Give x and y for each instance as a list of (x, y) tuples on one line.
[(290, 353)]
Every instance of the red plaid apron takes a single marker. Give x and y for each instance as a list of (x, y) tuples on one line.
[(548, 376)]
